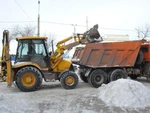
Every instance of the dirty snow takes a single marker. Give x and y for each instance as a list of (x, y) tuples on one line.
[(52, 98), (125, 93)]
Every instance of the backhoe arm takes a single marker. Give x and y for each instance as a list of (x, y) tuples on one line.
[(6, 70)]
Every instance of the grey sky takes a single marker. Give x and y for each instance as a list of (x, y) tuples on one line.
[(119, 14)]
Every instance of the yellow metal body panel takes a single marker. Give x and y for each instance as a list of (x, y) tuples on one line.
[(62, 66), (9, 77), (23, 64)]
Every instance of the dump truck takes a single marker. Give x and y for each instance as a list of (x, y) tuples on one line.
[(102, 62), (34, 62)]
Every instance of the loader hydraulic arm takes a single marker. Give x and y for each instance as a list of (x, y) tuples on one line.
[(65, 44), (61, 46), (6, 70)]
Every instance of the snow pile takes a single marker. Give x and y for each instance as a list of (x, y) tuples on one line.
[(125, 93)]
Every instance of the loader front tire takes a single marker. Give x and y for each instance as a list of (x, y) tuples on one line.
[(69, 80), (28, 79)]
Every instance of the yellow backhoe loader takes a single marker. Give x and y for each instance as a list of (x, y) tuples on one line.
[(34, 62)]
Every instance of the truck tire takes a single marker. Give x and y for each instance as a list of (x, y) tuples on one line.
[(117, 74), (28, 79), (140, 58), (97, 78), (109, 74), (69, 80), (83, 77)]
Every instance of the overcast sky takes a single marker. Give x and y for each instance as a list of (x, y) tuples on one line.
[(109, 14)]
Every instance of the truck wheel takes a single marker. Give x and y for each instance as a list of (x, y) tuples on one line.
[(28, 79), (117, 74), (69, 80), (109, 74), (97, 78), (83, 77)]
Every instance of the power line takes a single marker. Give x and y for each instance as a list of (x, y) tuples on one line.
[(33, 21), (117, 29), (109, 28), (56, 23), (77, 25), (3, 22), (23, 10)]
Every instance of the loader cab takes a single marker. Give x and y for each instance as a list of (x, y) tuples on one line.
[(32, 49)]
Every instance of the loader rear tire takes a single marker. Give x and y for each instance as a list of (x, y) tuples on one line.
[(117, 74), (28, 79), (69, 80), (97, 78)]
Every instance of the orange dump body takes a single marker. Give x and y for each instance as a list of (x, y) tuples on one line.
[(146, 50), (107, 54)]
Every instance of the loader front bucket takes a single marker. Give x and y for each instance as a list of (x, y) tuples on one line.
[(93, 34)]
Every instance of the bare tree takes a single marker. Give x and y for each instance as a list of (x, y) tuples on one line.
[(19, 31), (143, 32)]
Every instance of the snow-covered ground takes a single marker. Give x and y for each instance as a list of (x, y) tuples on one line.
[(52, 98), (125, 93)]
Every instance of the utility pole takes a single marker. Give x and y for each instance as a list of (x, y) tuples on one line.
[(87, 23), (38, 32)]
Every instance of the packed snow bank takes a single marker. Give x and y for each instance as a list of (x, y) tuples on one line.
[(125, 93)]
